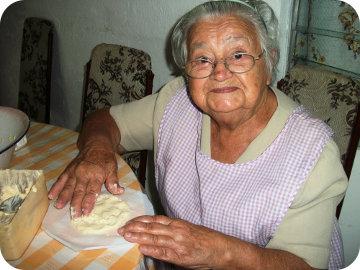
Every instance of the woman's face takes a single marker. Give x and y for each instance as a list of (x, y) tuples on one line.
[(224, 91)]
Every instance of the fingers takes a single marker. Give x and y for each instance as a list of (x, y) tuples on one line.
[(88, 186), (58, 186), (92, 192), (147, 227), (157, 237), (154, 239), (158, 219), (82, 180), (78, 196), (149, 239), (173, 240), (83, 175), (111, 181), (67, 192), (112, 184)]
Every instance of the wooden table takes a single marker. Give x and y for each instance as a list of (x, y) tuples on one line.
[(50, 148)]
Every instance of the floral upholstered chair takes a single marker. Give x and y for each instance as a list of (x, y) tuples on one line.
[(35, 69), (332, 97), (118, 74)]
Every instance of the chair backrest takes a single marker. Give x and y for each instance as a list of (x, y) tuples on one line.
[(35, 69), (118, 74), (331, 97)]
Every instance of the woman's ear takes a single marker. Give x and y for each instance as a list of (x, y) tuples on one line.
[(274, 57), (269, 79)]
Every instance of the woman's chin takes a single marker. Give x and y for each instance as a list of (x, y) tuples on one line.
[(223, 107)]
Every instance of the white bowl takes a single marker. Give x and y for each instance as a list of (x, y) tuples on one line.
[(13, 127)]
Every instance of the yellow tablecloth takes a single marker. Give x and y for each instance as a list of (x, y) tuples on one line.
[(50, 148)]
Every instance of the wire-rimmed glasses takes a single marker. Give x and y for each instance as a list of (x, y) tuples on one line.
[(237, 63)]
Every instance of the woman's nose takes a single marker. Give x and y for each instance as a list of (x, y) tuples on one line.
[(221, 72)]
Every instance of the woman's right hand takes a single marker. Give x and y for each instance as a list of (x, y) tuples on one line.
[(83, 178)]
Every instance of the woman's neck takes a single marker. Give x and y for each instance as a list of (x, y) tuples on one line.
[(231, 134)]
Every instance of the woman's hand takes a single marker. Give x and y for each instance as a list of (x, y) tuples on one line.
[(95, 164), (197, 247), (176, 241), (83, 178)]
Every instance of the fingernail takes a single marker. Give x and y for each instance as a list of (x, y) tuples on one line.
[(57, 204), (72, 212), (128, 234)]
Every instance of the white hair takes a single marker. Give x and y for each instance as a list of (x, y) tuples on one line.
[(257, 12)]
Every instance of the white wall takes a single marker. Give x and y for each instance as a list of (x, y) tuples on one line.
[(79, 26)]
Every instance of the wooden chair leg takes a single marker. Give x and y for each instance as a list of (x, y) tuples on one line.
[(351, 152), (142, 168)]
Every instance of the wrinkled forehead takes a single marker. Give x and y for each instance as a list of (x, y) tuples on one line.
[(225, 29), (239, 40)]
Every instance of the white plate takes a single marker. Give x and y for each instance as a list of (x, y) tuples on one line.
[(57, 224)]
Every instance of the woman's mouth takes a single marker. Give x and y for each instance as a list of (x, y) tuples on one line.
[(223, 90)]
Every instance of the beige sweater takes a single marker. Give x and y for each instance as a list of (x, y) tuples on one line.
[(306, 228)]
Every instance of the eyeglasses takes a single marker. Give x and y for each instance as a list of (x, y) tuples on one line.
[(237, 63)]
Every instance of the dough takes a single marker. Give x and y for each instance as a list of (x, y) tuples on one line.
[(109, 214), (12, 190)]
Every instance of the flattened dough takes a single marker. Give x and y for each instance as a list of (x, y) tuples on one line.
[(109, 214)]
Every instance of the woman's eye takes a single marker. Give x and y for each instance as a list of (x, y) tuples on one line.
[(202, 61), (238, 55)]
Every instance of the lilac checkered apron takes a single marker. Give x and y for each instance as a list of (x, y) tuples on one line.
[(244, 200)]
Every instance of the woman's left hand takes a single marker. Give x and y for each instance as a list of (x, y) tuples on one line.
[(176, 241)]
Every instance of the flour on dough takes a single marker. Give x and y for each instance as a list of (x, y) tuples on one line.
[(109, 214)]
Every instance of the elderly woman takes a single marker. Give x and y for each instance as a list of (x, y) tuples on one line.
[(247, 178)]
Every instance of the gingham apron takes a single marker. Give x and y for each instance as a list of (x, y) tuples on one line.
[(244, 200)]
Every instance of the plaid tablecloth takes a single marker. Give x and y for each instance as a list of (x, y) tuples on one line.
[(51, 148)]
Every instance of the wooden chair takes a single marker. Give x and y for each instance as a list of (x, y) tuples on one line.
[(332, 97), (117, 74), (35, 69)]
